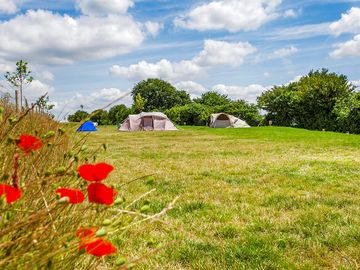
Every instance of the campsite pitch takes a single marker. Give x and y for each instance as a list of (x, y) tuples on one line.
[(259, 198)]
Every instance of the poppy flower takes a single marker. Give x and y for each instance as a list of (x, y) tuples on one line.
[(75, 196), (95, 172), (87, 232), (100, 193), (98, 247), (11, 193), (29, 143)]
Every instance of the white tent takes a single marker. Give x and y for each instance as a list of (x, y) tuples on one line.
[(147, 121), (224, 120)]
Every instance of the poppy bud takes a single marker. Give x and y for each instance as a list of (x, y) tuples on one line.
[(101, 232), (120, 261), (106, 222)]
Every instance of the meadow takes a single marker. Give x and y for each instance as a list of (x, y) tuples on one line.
[(259, 198)]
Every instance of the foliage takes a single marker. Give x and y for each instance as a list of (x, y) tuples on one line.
[(199, 112), (139, 104), (191, 114), (78, 116), (118, 114), (159, 95), (213, 98), (312, 102), (100, 117)]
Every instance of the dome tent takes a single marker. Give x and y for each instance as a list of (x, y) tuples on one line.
[(224, 120), (147, 121), (87, 126)]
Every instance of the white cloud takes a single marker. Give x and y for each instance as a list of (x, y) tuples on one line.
[(193, 88), (356, 84), (46, 75), (27, 36), (290, 13), (284, 52), (153, 28), (104, 7), (248, 93), (224, 53), (215, 53), (95, 100), (347, 49), (230, 15), (8, 6), (37, 89), (349, 23)]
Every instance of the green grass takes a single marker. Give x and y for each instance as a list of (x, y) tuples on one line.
[(259, 198)]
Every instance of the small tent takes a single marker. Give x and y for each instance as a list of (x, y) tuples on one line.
[(87, 126), (224, 120), (147, 121)]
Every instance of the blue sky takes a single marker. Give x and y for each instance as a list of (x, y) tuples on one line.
[(89, 52)]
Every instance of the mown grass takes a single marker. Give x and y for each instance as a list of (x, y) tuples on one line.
[(259, 198)]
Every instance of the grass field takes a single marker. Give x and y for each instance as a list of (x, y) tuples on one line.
[(260, 198)]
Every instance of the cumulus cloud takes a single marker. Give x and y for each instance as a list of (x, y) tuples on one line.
[(290, 13), (248, 93), (46, 75), (284, 52), (97, 99), (349, 22), (8, 6), (230, 15), (215, 53), (347, 49), (153, 28), (101, 7), (49, 38)]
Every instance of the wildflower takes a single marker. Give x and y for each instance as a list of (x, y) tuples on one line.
[(29, 143), (100, 193), (75, 196), (99, 247), (95, 172), (82, 233), (11, 193), (92, 245)]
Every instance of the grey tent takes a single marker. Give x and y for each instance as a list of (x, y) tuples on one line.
[(224, 120), (147, 121)]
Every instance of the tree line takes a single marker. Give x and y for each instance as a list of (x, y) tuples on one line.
[(159, 95)]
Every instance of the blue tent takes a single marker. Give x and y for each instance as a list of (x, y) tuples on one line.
[(87, 127)]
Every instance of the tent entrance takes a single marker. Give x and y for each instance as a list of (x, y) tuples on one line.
[(148, 123), (222, 121)]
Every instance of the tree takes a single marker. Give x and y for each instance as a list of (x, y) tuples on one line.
[(78, 116), (100, 117), (159, 95), (19, 79), (139, 104), (312, 102), (213, 98), (118, 114)]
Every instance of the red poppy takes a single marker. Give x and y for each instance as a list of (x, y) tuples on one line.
[(11, 193), (87, 232), (95, 172), (99, 247), (29, 143), (100, 193), (74, 195)]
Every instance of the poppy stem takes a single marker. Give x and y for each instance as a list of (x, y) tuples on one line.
[(15, 177)]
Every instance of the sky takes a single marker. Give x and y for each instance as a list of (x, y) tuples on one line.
[(91, 52)]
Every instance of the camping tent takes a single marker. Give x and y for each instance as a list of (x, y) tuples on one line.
[(147, 121), (224, 120), (87, 126)]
